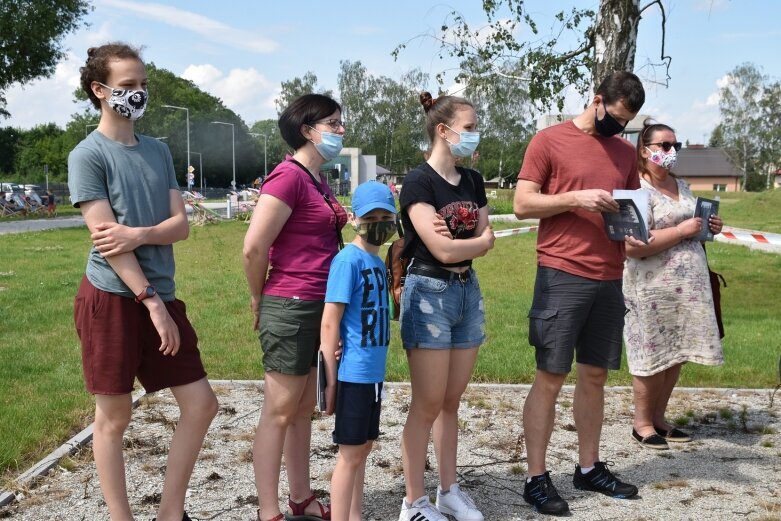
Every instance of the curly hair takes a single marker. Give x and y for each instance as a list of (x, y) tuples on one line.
[(97, 67)]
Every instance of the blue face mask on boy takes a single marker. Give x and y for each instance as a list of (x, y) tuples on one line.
[(330, 144), (467, 143)]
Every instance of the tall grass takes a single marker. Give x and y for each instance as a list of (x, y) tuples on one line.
[(42, 397)]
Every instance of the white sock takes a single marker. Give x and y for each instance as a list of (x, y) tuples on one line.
[(586, 470)]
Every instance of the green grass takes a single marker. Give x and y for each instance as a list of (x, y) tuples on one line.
[(42, 396)]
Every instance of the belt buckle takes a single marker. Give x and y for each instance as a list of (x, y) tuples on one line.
[(463, 276)]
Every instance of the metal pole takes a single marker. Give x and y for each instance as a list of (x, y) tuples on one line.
[(265, 161), (187, 113), (233, 144), (200, 167)]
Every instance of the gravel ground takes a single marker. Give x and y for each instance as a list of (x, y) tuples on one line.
[(732, 470)]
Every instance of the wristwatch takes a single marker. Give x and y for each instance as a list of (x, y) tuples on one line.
[(148, 292)]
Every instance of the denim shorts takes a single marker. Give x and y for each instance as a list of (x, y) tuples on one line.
[(572, 314), (442, 314)]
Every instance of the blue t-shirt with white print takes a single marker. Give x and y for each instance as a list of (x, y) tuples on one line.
[(358, 280)]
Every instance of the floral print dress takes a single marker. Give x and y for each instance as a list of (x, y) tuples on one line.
[(670, 318)]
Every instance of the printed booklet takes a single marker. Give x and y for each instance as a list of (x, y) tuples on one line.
[(704, 208), (321, 381), (631, 216)]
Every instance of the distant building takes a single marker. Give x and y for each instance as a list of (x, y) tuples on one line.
[(630, 133), (706, 168), (703, 168)]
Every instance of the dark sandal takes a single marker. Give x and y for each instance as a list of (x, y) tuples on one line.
[(279, 517), (299, 511), (674, 435), (652, 441)]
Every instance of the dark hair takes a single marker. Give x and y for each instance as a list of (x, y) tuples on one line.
[(98, 63), (440, 110), (650, 127), (304, 110), (625, 87)]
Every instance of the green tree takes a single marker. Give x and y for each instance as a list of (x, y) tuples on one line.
[(605, 41), (31, 33), (42, 145), (9, 137), (212, 141), (740, 130), (770, 143), (276, 148), (296, 87)]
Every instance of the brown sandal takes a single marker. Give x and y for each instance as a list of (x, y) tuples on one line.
[(280, 517), (299, 511)]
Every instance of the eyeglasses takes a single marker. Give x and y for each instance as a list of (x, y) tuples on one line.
[(666, 145), (335, 124)]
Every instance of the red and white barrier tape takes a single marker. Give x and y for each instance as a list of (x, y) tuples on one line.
[(749, 237), (514, 231)]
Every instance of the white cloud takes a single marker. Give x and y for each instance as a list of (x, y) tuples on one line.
[(104, 34), (46, 99), (245, 91), (213, 30)]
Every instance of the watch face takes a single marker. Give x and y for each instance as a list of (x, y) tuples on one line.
[(150, 291)]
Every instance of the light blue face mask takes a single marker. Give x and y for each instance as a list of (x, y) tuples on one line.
[(330, 144), (466, 145)]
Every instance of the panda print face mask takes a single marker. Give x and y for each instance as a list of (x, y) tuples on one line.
[(129, 104)]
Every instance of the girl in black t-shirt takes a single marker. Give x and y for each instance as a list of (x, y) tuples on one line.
[(442, 315)]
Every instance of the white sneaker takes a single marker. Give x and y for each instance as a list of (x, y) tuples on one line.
[(420, 510), (458, 504)]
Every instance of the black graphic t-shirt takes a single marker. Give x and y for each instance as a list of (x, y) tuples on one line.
[(458, 205)]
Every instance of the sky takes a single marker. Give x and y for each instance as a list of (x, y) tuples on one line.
[(241, 50)]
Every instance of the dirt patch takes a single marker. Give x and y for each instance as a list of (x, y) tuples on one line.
[(731, 469)]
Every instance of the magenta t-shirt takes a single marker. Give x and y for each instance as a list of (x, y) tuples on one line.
[(301, 255)]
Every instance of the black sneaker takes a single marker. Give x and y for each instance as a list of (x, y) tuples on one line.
[(185, 517), (542, 495), (600, 479)]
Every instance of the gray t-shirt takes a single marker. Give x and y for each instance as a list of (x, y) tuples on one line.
[(136, 181)]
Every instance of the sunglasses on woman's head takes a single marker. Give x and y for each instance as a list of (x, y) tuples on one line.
[(667, 145)]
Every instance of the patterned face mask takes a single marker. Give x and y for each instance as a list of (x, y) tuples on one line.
[(129, 104), (666, 161), (376, 233)]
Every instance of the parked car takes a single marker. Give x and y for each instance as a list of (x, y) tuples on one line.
[(10, 189), (29, 189)]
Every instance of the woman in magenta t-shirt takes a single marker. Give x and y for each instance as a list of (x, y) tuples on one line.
[(293, 236)]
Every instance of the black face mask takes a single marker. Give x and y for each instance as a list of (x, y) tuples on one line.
[(607, 126), (376, 233)]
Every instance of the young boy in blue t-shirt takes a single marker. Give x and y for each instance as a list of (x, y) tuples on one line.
[(357, 311)]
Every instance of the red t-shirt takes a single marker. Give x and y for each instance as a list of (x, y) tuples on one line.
[(563, 158), (301, 255)]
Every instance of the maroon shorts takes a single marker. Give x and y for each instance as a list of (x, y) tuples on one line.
[(119, 343)]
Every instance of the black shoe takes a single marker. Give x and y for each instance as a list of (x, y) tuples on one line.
[(674, 435), (600, 479), (652, 441), (542, 495)]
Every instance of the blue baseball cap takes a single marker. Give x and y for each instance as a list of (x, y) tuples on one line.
[(370, 196)]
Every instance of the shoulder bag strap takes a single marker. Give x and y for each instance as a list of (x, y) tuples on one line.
[(327, 200)]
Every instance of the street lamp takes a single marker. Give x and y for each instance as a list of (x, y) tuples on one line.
[(187, 113), (200, 167), (233, 143), (265, 144), (86, 128)]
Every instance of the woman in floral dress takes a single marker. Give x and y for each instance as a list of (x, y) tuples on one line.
[(670, 318)]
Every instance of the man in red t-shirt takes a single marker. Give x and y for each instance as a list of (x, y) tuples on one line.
[(567, 178)]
